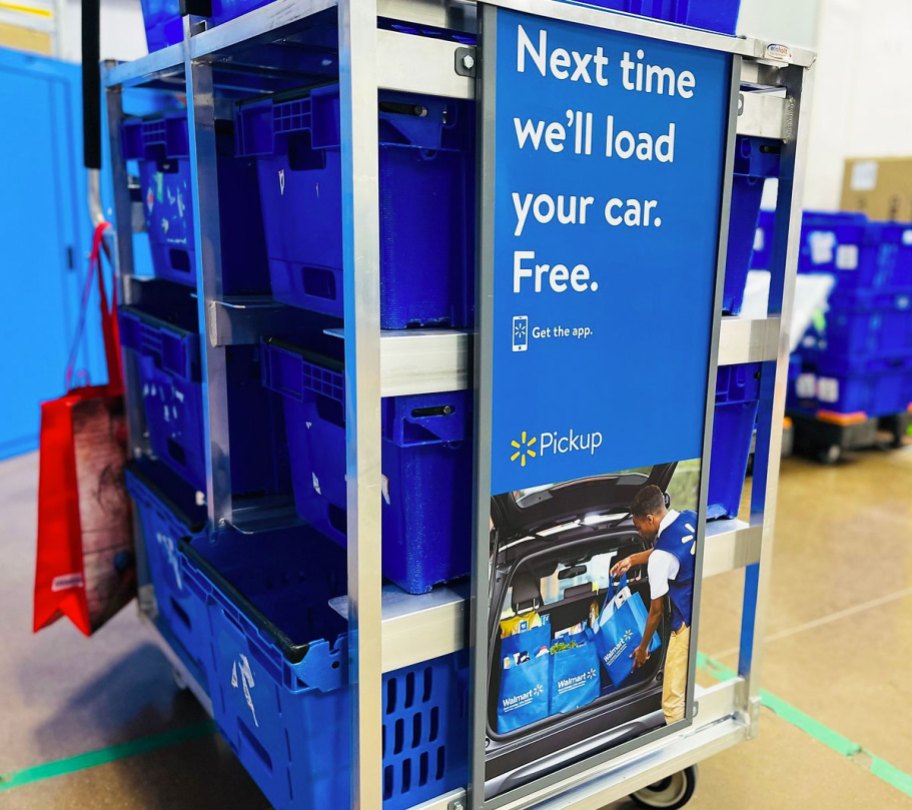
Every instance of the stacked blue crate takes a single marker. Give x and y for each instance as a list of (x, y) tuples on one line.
[(857, 359), (277, 665)]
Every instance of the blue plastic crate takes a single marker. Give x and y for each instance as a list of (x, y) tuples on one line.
[(426, 204), (426, 465), (763, 241), (168, 365), (755, 160), (737, 401), (863, 256), (881, 325), (163, 23), (160, 144), (280, 675), (167, 512), (872, 386), (167, 351), (711, 15)]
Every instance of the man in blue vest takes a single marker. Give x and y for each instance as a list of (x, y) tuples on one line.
[(670, 566)]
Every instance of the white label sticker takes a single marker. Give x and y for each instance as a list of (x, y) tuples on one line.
[(822, 244), (759, 239), (847, 257), (907, 237), (864, 176), (806, 386), (66, 581), (828, 389), (245, 681)]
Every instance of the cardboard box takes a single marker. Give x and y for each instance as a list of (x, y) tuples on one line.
[(878, 187)]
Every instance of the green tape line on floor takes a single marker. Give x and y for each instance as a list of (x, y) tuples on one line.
[(91, 759), (878, 767)]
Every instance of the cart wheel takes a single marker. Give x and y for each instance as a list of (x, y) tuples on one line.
[(672, 792), (831, 455)]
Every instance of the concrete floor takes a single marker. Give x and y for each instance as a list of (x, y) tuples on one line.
[(839, 646)]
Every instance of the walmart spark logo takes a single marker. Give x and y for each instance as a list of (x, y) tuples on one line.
[(522, 449)]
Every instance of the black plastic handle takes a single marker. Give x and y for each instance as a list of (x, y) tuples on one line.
[(91, 84)]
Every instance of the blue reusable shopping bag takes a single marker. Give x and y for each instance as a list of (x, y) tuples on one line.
[(620, 630), (523, 697), (574, 674)]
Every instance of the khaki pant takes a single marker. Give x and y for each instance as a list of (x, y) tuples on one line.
[(674, 683)]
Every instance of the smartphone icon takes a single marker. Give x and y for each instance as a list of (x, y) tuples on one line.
[(520, 333)]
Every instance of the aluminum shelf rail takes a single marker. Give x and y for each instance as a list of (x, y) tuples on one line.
[(278, 47)]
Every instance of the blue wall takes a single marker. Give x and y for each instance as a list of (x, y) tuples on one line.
[(45, 236)]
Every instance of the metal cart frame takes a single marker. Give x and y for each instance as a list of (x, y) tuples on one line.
[(391, 629)]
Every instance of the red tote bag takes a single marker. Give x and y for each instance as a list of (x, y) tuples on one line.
[(86, 565)]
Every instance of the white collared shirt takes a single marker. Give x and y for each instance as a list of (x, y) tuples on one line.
[(662, 566)]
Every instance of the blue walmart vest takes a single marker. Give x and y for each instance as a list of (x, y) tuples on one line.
[(679, 540)]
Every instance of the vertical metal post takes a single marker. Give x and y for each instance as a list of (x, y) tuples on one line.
[(767, 456), (485, 97), (123, 252), (204, 185), (361, 251), (123, 242)]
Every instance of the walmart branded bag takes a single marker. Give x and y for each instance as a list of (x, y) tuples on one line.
[(523, 695), (620, 630), (574, 672)]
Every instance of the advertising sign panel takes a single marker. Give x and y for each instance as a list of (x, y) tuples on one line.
[(602, 189)]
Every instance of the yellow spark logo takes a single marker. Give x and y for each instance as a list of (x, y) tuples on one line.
[(523, 448)]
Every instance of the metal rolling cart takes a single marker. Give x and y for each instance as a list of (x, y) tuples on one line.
[(265, 51)]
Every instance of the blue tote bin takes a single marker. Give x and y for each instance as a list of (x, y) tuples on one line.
[(737, 403), (167, 513), (426, 189), (426, 465), (279, 673)]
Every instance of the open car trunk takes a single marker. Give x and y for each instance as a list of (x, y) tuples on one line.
[(552, 571)]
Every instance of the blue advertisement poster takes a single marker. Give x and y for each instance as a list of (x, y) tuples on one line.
[(604, 155)]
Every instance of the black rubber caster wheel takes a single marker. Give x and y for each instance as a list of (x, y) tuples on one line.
[(670, 793), (831, 455)]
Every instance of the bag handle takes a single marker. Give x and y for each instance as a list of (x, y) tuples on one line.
[(613, 589), (109, 329)]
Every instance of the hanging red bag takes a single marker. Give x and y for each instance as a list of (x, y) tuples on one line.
[(86, 565)]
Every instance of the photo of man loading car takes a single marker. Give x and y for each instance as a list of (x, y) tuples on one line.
[(670, 568)]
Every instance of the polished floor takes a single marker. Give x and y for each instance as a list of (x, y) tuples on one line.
[(836, 728)]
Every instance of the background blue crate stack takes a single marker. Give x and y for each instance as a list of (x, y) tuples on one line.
[(737, 401), (278, 668), (426, 465), (857, 358), (160, 145), (426, 214), (168, 514)]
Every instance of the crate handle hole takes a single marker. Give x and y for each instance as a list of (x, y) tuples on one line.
[(181, 613), (319, 282), (255, 745), (176, 452), (180, 260)]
